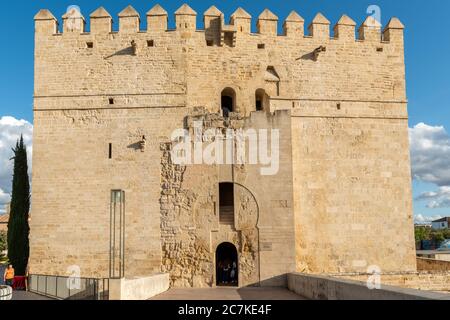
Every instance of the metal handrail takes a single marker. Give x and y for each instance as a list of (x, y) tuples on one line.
[(90, 288)]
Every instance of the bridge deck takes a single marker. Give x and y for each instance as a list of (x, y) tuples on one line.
[(229, 294)]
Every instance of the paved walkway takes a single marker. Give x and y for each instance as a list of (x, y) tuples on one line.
[(229, 294), (23, 295)]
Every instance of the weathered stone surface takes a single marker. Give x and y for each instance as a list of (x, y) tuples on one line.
[(344, 183)]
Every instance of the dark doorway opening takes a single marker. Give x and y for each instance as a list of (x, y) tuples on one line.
[(226, 203), (228, 100), (260, 97), (226, 194), (227, 273)]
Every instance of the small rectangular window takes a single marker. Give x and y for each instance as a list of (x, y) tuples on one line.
[(111, 100), (209, 43), (89, 45), (380, 49), (110, 151), (150, 43), (261, 45)]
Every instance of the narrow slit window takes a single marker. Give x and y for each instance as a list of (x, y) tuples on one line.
[(110, 151)]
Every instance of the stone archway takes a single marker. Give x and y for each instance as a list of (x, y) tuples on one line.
[(228, 101), (227, 265)]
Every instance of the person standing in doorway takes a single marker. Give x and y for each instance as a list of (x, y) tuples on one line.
[(220, 275), (226, 272), (8, 276), (233, 272)]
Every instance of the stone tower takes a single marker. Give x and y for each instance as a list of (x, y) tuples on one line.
[(108, 198)]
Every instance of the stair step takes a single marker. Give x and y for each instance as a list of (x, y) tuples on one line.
[(226, 215)]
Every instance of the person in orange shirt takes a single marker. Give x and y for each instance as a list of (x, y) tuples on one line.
[(8, 277)]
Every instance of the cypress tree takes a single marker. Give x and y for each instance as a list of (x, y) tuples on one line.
[(18, 227)]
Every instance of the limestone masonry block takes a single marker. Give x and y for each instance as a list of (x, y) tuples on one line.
[(157, 19), (267, 23), (129, 20), (101, 21), (345, 28), (294, 25), (320, 27)]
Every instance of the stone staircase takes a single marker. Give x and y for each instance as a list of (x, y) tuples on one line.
[(226, 215)]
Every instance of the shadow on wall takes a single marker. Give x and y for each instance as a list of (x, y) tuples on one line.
[(270, 289), (130, 51), (280, 281)]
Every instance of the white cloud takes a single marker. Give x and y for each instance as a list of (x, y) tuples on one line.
[(4, 197), (430, 154), (10, 131), (430, 162), (436, 199), (421, 219)]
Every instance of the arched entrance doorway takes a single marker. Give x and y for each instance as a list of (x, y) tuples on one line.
[(228, 101), (227, 265)]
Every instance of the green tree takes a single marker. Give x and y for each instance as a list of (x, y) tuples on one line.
[(446, 233), (438, 236), (18, 228), (2, 242), (422, 233)]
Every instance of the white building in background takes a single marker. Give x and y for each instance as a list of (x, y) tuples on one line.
[(441, 224)]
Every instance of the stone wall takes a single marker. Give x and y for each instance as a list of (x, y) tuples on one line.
[(432, 265), (352, 193), (427, 281), (334, 288), (142, 288), (344, 181), (73, 183), (190, 225)]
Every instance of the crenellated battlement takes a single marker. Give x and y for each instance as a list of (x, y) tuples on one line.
[(215, 27)]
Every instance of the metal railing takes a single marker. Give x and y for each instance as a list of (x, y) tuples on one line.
[(67, 288)]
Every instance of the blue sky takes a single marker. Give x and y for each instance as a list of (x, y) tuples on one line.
[(427, 41)]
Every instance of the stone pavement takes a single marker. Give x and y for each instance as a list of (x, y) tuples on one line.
[(229, 294), (23, 295)]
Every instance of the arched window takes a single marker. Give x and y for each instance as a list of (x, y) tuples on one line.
[(260, 99), (228, 101)]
